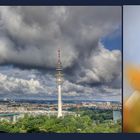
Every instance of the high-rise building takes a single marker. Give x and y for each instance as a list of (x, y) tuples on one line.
[(59, 80)]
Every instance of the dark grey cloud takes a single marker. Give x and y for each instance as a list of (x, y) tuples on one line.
[(30, 37)]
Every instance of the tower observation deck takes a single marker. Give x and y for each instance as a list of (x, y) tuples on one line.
[(59, 81)]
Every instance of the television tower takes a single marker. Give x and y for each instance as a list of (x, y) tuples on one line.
[(59, 81)]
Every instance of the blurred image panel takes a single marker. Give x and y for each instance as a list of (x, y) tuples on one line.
[(131, 82)]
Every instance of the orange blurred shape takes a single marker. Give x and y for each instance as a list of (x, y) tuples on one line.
[(133, 76), (131, 112)]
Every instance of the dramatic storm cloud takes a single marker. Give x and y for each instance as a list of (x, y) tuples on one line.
[(30, 37)]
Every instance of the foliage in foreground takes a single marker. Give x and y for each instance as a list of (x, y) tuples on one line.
[(68, 124)]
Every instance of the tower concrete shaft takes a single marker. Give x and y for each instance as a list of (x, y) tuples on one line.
[(59, 80), (59, 102)]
